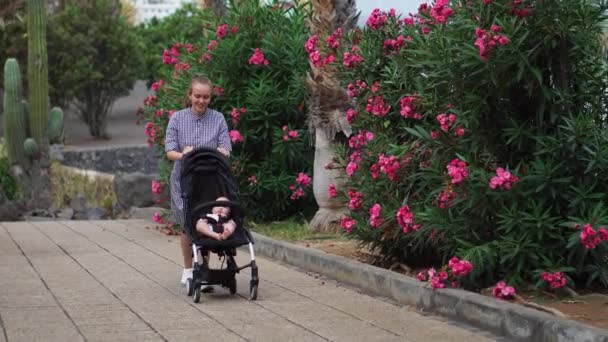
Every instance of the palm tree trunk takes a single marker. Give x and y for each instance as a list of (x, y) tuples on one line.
[(328, 103), (330, 210)]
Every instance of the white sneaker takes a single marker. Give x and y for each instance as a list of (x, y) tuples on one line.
[(187, 273)]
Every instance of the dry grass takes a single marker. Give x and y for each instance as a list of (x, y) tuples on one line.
[(67, 183)]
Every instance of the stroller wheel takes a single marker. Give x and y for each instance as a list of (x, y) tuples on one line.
[(232, 285), (189, 287), (196, 296), (253, 292)]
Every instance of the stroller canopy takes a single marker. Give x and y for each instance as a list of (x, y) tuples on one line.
[(205, 176)]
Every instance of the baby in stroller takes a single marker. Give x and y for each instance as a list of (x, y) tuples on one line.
[(217, 225)]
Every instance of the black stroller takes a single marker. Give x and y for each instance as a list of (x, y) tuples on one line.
[(206, 176)]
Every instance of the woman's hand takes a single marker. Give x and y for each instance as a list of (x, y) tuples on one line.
[(223, 151), (187, 149)]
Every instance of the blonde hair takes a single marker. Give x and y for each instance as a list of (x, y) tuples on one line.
[(200, 80)]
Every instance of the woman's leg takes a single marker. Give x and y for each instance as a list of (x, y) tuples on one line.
[(186, 250)]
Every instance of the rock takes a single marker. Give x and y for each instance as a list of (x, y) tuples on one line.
[(144, 213), (113, 159), (56, 152), (64, 214), (39, 215), (8, 210), (134, 190), (79, 206), (97, 214)]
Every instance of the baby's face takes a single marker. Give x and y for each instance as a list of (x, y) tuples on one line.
[(221, 211)]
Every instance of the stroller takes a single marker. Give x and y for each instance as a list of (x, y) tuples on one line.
[(206, 176)]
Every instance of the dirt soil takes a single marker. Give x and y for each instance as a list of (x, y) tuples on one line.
[(590, 309)]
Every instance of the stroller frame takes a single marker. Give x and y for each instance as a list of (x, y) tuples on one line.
[(216, 166)]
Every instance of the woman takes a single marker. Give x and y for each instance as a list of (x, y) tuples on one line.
[(189, 128)]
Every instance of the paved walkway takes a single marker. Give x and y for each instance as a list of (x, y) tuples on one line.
[(117, 281)]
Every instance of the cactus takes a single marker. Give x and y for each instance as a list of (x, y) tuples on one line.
[(28, 130), (31, 148), (37, 72), (15, 124), (55, 128)]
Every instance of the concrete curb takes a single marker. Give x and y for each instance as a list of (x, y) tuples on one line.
[(503, 318)]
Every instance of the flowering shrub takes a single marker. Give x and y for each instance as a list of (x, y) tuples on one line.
[(254, 57), (489, 135)]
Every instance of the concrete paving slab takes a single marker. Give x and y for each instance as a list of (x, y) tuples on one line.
[(117, 280)]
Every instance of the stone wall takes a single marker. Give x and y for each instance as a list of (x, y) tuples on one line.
[(133, 168), (114, 160)]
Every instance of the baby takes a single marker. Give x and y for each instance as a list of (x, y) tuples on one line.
[(216, 225)]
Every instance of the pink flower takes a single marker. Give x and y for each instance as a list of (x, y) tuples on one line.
[(446, 121), (376, 106), (212, 44), (156, 85), (311, 44), (298, 193), (376, 20), (157, 217), (421, 276), (332, 191), (222, 30), (408, 107), (303, 179), (347, 223), (293, 134), (434, 135), (445, 198), (236, 115), (555, 280), (234, 29), (457, 170), (374, 215), (393, 46), (503, 291), (503, 179), (389, 166), (351, 168), (235, 136), (459, 267), (590, 238), (157, 187), (258, 58), (350, 115), (405, 219), (253, 180), (349, 59), (333, 40), (441, 11), (356, 200)]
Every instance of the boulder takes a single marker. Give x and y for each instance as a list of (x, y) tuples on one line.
[(8, 210), (134, 190), (97, 214), (79, 205)]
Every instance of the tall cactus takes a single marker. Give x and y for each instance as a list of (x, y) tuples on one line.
[(15, 129), (38, 72)]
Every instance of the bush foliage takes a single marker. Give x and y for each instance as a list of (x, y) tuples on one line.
[(481, 133), (255, 58)]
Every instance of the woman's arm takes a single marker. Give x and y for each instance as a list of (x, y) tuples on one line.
[(171, 143), (223, 143)]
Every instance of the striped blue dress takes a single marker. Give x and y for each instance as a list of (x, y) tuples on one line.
[(185, 128)]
